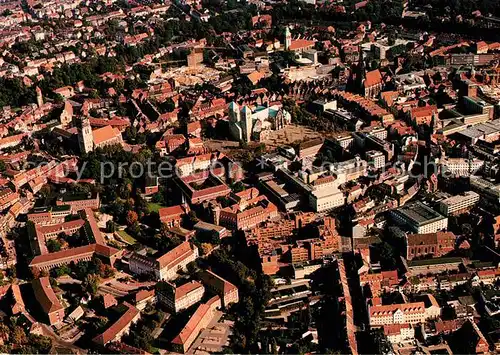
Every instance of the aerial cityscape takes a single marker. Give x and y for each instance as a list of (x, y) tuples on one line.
[(250, 177)]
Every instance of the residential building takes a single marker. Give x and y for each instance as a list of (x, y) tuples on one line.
[(399, 333), (375, 159), (404, 313), (423, 115), (202, 186), (80, 202), (203, 315), (119, 328), (17, 305), (226, 290), (248, 215), (166, 266), (50, 304), (204, 227), (50, 216), (460, 167), (189, 165), (178, 298), (49, 261)]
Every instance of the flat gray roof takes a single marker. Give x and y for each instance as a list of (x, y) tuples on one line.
[(419, 213)]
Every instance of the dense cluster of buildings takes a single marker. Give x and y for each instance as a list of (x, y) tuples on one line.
[(367, 155)]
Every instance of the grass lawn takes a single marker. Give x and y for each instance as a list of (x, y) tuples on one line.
[(126, 237), (154, 207)]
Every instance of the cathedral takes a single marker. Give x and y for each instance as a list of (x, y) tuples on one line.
[(247, 125)]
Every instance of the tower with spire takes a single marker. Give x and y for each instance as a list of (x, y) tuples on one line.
[(85, 137), (288, 38)]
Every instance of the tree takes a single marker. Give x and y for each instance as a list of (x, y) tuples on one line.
[(206, 248), (387, 256), (132, 217), (41, 343), (91, 284), (168, 105), (191, 268), (238, 187), (53, 245), (4, 331), (61, 270), (111, 226), (18, 336), (99, 323)]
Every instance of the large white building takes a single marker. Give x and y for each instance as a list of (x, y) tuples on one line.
[(460, 166), (399, 333), (349, 170), (404, 313), (325, 199), (419, 218), (375, 159), (458, 203), (187, 166)]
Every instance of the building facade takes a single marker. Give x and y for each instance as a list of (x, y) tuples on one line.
[(166, 266)]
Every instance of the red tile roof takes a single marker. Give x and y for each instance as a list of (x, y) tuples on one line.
[(175, 255), (394, 329), (183, 290), (171, 212), (124, 321), (301, 44), (104, 134), (45, 295), (373, 78), (415, 307)]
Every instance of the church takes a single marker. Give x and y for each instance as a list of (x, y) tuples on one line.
[(247, 125)]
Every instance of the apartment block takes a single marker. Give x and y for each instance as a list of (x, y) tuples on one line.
[(459, 203), (178, 298)]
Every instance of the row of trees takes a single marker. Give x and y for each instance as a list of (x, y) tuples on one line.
[(375, 11), (240, 267)]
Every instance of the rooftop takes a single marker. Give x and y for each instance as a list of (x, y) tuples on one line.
[(419, 213)]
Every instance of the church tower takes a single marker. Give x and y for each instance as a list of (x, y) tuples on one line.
[(246, 117), (66, 114), (234, 112), (85, 137), (288, 38), (39, 97)]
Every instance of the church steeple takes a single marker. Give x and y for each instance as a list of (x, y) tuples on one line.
[(288, 38)]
